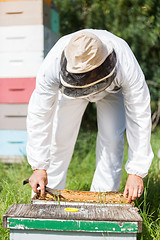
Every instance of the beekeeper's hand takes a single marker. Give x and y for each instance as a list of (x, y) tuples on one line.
[(39, 176), (134, 187)]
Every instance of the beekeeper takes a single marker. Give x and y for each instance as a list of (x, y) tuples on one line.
[(82, 67)]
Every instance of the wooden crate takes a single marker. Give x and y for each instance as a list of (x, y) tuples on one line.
[(47, 222), (13, 116), (26, 38), (26, 12), (20, 64), (13, 144), (16, 90)]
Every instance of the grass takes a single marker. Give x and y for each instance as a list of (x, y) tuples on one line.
[(79, 177)]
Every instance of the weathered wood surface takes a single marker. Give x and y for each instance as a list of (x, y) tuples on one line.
[(93, 213)]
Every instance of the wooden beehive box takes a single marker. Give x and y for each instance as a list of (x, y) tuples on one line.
[(20, 64), (26, 38), (24, 12), (90, 222), (13, 144), (13, 117), (15, 90), (74, 215)]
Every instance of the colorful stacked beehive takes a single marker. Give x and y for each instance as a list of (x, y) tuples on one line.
[(28, 30)]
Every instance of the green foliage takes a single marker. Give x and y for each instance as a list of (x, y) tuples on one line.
[(11, 189), (83, 162), (149, 203), (70, 12), (89, 120)]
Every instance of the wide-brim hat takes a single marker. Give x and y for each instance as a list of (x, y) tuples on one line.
[(87, 66)]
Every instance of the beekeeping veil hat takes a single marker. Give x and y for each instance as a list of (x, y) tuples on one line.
[(87, 66)]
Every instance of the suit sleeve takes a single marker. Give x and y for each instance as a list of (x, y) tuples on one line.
[(41, 109), (138, 115)]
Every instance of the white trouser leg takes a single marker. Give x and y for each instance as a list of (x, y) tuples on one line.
[(66, 126), (110, 143)]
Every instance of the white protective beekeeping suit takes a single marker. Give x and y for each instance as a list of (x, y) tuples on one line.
[(53, 119)]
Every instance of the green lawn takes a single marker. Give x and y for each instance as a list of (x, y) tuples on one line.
[(79, 177)]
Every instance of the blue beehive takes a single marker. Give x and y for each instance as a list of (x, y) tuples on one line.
[(13, 143)]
